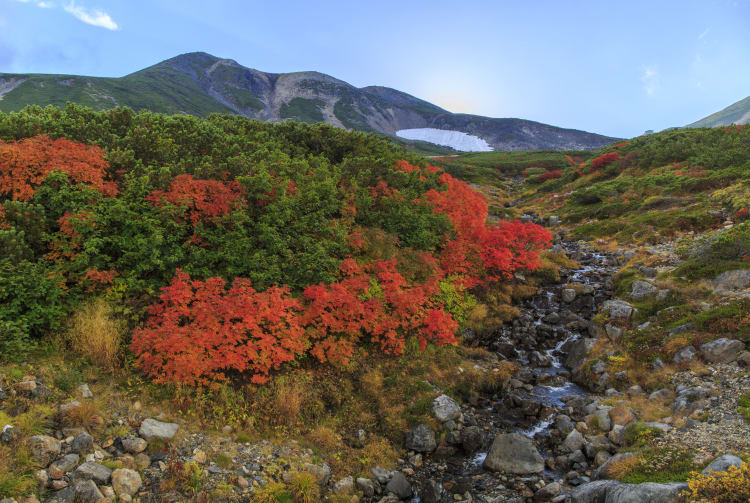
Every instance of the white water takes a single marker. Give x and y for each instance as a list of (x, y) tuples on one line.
[(454, 139)]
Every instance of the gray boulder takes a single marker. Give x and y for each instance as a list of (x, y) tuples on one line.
[(421, 439), (87, 492), (152, 429), (722, 463), (126, 482), (722, 350), (573, 442), (618, 309), (344, 486), (604, 471), (44, 448), (92, 471), (685, 354), (82, 443), (399, 486), (445, 409), (568, 295), (514, 453), (472, 439), (322, 473), (641, 290), (730, 281), (367, 486), (578, 352), (133, 444), (431, 491), (62, 466), (612, 491)]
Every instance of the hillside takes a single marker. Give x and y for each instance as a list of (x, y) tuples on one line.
[(200, 84), (737, 113)]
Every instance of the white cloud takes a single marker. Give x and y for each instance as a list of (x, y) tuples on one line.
[(704, 33), (45, 5), (94, 17), (650, 79)]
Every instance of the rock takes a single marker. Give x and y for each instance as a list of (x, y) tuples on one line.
[(658, 426), (578, 352), (42, 477), (242, 482), (641, 290), (92, 471), (9, 434), (743, 359), (514, 453), (622, 415), (152, 429), (142, 461), (685, 354), (547, 492), (722, 350), (612, 491), (617, 434), (732, 281), (421, 439), (133, 444), (85, 391), (44, 448), (399, 485), (367, 486), (82, 443), (573, 442), (601, 458), (568, 295), (126, 482), (618, 309), (605, 472), (614, 333), (657, 364), (431, 491), (564, 424), (599, 367), (472, 439), (389, 498), (722, 463), (344, 486), (322, 473), (662, 395), (87, 492), (200, 457), (67, 409), (62, 466), (603, 420), (26, 385), (444, 408)]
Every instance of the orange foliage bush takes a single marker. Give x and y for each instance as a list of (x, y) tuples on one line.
[(25, 164)]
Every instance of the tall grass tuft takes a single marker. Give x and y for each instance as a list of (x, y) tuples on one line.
[(97, 333)]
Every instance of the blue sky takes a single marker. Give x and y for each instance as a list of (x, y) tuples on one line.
[(615, 68)]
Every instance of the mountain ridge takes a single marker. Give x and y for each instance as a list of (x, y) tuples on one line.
[(199, 83), (736, 113)]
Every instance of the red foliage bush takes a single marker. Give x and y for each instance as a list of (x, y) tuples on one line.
[(202, 200), (25, 164), (742, 214), (604, 160), (550, 175), (200, 329)]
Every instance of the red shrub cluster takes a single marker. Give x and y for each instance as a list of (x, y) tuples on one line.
[(25, 164), (742, 214), (199, 330), (550, 175), (604, 160), (202, 200)]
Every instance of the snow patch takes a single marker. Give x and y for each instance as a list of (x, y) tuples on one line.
[(455, 139)]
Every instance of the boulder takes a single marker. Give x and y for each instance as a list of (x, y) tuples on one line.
[(399, 486), (547, 492), (578, 352), (92, 471), (152, 429), (82, 443), (444, 408), (622, 415), (344, 486), (641, 290), (430, 491), (568, 295), (605, 472), (722, 463), (730, 281), (367, 486), (87, 492), (133, 444), (573, 442), (722, 350), (322, 473), (618, 309), (685, 354), (44, 449), (612, 491), (421, 439), (62, 466), (126, 482), (514, 453), (472, 439)]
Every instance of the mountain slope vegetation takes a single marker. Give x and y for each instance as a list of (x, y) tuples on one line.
[(200, 84), (737, 113)]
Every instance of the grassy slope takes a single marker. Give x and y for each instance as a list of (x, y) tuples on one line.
[(736, 113)]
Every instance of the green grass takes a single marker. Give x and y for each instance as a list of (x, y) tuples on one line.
[(743, 405), (662, 465), (352, 119), (303, 110)]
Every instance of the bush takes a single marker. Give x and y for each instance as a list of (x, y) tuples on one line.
[(731, 486)]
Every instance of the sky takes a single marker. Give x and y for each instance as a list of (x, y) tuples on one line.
[(615, 68)]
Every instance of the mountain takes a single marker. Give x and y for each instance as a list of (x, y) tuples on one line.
[(199, 84), (737, 113)]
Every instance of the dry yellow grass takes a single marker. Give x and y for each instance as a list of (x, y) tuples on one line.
[(96, 332)]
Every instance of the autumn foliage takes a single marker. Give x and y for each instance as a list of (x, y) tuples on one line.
[(200, 200), (550, 175), (604, 160), (25, 164)]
